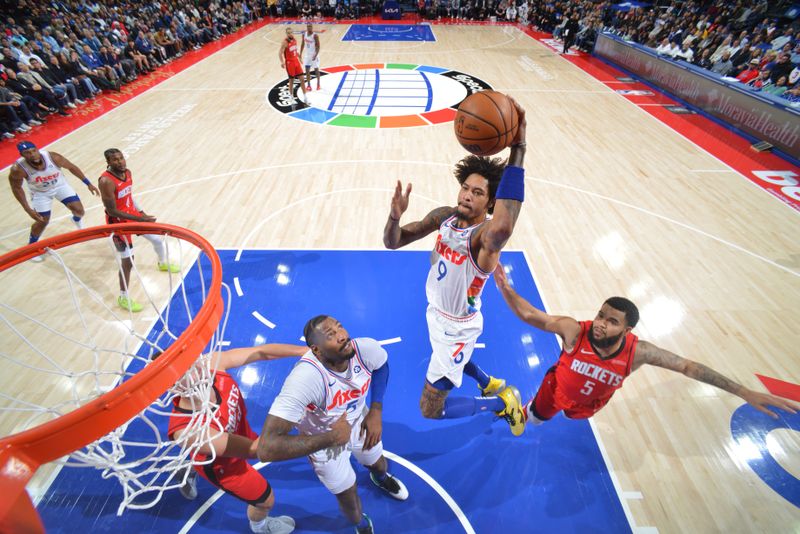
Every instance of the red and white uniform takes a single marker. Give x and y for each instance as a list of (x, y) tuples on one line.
[(582, 382), (454, 287), (314, 397), (233, 475), (293, 67), (46, 184)]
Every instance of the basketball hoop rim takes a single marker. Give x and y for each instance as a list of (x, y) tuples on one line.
[(21, 454)]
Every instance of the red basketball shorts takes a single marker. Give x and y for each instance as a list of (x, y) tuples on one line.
[(293, 69), (547, 404), (237, 477)]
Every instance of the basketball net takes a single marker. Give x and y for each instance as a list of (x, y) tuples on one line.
[(69, 350)]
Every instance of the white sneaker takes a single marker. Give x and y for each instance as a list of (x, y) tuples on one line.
[(71, 105), (38, 259), (78, 224), (189, 488), (392, 486), (283, 524)]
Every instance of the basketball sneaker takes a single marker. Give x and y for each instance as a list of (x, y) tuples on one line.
[(189, 488), (368, 529), (171, 267), (392, 486), (283, 524), (318, 87), (308, 87), (38, 259), (127, 303), (512, 413), (493, 387)]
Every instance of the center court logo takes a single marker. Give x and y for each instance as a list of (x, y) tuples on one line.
[(378, 95)]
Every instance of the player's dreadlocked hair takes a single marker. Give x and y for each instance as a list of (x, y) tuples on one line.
[(489, 168)]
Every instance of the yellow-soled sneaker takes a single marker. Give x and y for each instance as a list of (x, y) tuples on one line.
[(171, 267), (494, 386), (127, 303), (512, 413)]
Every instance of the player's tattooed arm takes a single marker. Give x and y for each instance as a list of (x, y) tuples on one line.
[(395, 236), (653, 355), (275, 443), (565, 327)]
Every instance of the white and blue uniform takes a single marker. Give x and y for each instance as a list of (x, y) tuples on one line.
[(310, 50), (454, 286), (314, 397), (46, 184)]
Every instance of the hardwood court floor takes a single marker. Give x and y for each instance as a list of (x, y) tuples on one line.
[(617, 204)]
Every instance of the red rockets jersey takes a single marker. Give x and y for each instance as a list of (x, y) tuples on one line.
[(584, 379)]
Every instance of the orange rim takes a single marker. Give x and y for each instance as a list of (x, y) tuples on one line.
[(21, 454)]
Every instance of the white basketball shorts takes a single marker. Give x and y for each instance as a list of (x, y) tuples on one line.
[(452, 341)]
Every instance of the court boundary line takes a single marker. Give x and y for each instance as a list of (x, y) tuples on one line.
[(601, 446), (413, 468)]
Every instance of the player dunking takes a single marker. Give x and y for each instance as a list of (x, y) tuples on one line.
[(230, 470), (466, 252), (598, 356), (41, 170), (291, 62), (325, 397), (116, 190), (309, 49)]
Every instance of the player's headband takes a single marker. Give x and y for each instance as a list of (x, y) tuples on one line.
[(25, 145)]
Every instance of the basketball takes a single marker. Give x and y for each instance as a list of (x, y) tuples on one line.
[(486, 123)]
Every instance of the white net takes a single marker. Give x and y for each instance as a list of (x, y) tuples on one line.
[(67, 342)]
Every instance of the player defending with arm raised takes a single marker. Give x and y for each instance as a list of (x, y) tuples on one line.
[(41, 169), (309, 49), (325, 398), (598, 355), (230, 449), (116, 190), (466, 252), (291, 62)]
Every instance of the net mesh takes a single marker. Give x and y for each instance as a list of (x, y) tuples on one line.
[(67, 343)]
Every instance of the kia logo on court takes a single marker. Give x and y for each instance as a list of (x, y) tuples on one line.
[(377, 95)]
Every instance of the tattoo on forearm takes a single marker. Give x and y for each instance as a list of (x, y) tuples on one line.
[(705, 374)]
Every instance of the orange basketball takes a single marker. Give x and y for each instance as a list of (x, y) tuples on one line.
[(486, 123)]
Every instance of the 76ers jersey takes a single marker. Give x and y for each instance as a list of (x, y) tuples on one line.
[(43, 180), (584, 379), (310, 44), (455, 281), (231, 414), (314, 397)]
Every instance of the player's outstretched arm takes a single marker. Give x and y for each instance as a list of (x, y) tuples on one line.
[(15, 178), (275, 443), (508, 200), (565, 327), (395, 236), (647, 353), (270, 351), (64, 163)]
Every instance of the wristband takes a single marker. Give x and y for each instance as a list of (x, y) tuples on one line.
[(86, 181), (512, 184)]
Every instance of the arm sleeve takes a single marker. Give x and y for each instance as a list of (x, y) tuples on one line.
[(302, 387)]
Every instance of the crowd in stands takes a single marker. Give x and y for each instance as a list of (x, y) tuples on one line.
[(736, 40), (56, 56)]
